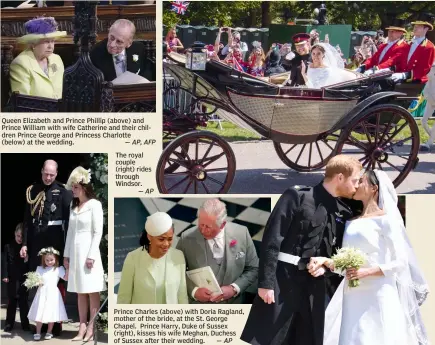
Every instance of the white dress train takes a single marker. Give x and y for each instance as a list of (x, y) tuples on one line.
[(321, 77), (372, 312)]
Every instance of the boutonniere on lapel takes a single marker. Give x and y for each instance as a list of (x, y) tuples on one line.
[(135, 57), (233, 243), (54, 68)]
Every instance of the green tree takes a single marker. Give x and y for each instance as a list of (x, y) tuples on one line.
[(367, 15)]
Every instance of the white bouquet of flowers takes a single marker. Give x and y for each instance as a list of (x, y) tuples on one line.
[(349, 257), (33, 279)]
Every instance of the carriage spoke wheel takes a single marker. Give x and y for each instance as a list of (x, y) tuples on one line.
[(386, 137), (307, 157), (205, 164), (173, 165)]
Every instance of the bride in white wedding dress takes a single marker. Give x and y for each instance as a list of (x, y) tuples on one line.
[(327, 67), (384, 308)]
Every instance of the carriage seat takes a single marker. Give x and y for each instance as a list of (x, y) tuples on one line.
[(412, 90)]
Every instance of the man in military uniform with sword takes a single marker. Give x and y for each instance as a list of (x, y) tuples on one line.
[(46, 220)]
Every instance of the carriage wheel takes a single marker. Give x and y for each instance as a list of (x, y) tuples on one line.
[(206, 165), (173, 166), (307, 157), (385, 137)]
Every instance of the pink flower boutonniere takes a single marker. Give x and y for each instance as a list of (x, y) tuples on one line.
[(233, 243)]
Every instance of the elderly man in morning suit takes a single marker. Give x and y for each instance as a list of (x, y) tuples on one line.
[(226, 247), (119, 53)]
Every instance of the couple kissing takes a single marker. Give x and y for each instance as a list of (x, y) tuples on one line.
[(303, 299)]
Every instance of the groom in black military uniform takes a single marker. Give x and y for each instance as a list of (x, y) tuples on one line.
[(46, 220), (290, 305), (294, 61)]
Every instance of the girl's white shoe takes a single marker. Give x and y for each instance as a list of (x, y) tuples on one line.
[(37, 337), (48, 336)]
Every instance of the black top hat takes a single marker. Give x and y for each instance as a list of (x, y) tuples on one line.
[(397, 25), (425, 19)]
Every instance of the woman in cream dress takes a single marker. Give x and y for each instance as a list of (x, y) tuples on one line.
[(82, 249), (154, 273)]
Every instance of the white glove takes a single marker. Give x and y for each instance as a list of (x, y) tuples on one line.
[(398, 76), (368, 72), (382, 70)]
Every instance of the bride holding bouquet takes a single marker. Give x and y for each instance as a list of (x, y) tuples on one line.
[(384, 308)]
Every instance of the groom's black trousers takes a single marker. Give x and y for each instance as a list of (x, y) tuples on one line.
[(296, 317)]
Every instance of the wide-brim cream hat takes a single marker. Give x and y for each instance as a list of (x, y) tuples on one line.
[(39, 29)]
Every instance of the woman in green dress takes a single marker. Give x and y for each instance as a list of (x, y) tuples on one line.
[(155, 273)]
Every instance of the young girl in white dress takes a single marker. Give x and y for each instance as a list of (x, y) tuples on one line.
[(47, 306)]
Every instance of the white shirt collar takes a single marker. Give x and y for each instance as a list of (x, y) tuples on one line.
[(220, 235), (418, 40), (120, 54), (392, 42)]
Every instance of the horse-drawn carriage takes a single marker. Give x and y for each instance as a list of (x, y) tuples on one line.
[(362, 117)]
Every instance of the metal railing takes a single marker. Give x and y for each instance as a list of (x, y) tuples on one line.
[(180, 100), (174, 97)]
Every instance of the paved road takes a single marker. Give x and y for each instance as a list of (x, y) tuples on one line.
[(260, 171), (69, 331)]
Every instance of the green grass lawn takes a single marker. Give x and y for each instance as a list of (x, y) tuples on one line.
[(405, 133), (233, 133), (230, 131), (423, 135)]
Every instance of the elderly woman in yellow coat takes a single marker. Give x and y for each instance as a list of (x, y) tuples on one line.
[(37, 71), (154, 273)]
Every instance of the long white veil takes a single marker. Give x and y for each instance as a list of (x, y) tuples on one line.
[(335, 69), (332, 57), (412, 286), (410, 282)]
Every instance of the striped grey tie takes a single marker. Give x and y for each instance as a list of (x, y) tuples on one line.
[(218, 252), (120, 62)]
